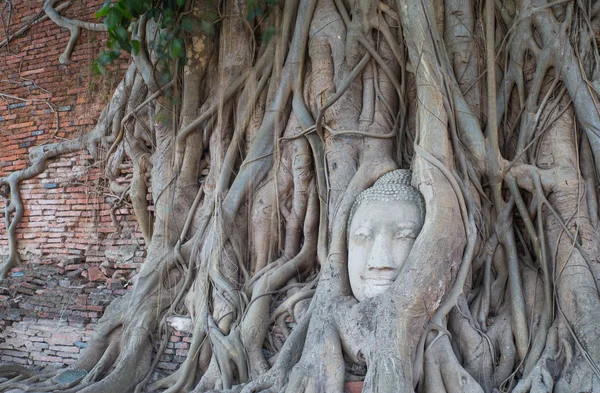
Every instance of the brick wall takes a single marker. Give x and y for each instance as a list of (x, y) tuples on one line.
[(68, 208), (49, 310), (80, 245)]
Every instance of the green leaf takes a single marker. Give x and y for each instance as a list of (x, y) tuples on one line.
[(153, 13), (177, 48), (97, 68), (165, 77), (135, 46), (122, 34), (137, 7), (186, 24), (113, 18), (167, 17), (207, 27), (180, 3), (254, 9), (102, 12), (123, 9), (113, 41), (269, 33), (107, 57)]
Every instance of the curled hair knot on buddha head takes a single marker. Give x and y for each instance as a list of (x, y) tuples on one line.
[(393, 186)]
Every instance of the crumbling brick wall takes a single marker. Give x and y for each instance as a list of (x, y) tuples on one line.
[(81, 244), (68, 207)]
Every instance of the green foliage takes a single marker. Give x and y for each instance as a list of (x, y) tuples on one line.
[(268, 33), (120, 15), (259, 8)]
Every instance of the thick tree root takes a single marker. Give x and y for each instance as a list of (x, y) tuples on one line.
[(444, 372)]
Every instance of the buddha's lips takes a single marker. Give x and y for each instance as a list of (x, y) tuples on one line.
[(379, 279)]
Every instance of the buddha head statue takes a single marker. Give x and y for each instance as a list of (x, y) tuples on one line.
[(383, 225)]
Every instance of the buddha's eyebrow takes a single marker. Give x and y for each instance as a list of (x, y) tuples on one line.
[(407, 225)]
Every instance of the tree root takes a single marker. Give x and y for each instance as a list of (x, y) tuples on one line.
[(74, 27), (9, 369), (444, 372)]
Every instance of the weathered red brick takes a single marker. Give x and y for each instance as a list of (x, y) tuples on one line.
[(52, 230), (353, 387)]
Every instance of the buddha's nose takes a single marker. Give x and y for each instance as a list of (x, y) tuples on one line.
[(380, 256)]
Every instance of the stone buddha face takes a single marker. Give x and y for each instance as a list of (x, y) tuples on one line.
[(383, 226)]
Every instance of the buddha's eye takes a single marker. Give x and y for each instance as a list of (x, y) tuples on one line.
[(405, 234), (362, 234)]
